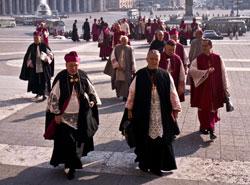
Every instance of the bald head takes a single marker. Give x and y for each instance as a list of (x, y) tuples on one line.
[(160, 35), (124, 40)]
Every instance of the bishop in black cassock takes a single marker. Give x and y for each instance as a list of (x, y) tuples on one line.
[(71, 116), (38, 67), (153, 105)]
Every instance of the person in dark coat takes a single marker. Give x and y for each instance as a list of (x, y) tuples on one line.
[(75, 36), (72, 106), (38, 67), (86, 30), (152, 106), (159, 42)]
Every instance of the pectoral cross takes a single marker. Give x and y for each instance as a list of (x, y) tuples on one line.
[(153, 92)]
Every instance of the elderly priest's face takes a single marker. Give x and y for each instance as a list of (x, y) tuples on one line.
[(153, 59), (72, 67)]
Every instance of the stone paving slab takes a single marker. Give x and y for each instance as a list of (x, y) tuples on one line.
[(227, 158)]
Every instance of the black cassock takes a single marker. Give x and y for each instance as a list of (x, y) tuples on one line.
[(38, 83), (75, 36), (157, 45), (155, 154), (66, 138), (86, 28)]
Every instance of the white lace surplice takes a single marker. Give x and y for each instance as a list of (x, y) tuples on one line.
[(155, 122), (70, 115)]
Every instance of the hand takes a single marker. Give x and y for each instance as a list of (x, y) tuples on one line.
[(227, 92), (46, 60), (175, 112), (58, 119), (130, 114), (119, 68), (31, 66), (91, 104), (186, 69), (211, 70)]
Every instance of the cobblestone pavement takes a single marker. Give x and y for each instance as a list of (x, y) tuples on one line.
[(24, 154)]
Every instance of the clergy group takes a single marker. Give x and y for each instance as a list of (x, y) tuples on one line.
[(152, 95)]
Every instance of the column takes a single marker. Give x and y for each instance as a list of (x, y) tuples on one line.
[(100, 6), (77, 6), (54, 5), (62, 6), (90, 6), (17, 7), (85, 7), (104, 5), (69, 6), (25, 6), (10, 7), (32, 6), (3, 7)]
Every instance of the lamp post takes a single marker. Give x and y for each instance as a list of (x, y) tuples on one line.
[(140, 5), (237, 3), (237, 7)]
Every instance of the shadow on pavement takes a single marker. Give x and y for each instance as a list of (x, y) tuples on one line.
[(45, 176), (111, 105), (189, 144), (30, 116), (14, 101), (114, 146), (102, 82)]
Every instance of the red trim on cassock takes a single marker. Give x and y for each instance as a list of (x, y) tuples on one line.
[(52, 126)]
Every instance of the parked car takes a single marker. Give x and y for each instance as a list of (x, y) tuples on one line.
[(211, 34), (7, 22), (53, 24)]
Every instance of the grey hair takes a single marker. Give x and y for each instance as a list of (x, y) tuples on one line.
[(154, 51), (124, 36), (160, 31)]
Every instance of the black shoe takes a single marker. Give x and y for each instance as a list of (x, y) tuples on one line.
[(71, 174), (212, 135), (36, 97), (156, 172), (205, 132), (143, 168), (44, 98)]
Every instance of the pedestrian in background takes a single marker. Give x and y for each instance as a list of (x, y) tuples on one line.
[(45, 33), (86, 30), (95, 31), (123, 62), (195, 50), (159, 42), (172, 63), (74, 34), (38, 67), (105, 43)]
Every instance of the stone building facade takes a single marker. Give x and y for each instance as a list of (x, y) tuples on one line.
[(17, 7), (120, 4)]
